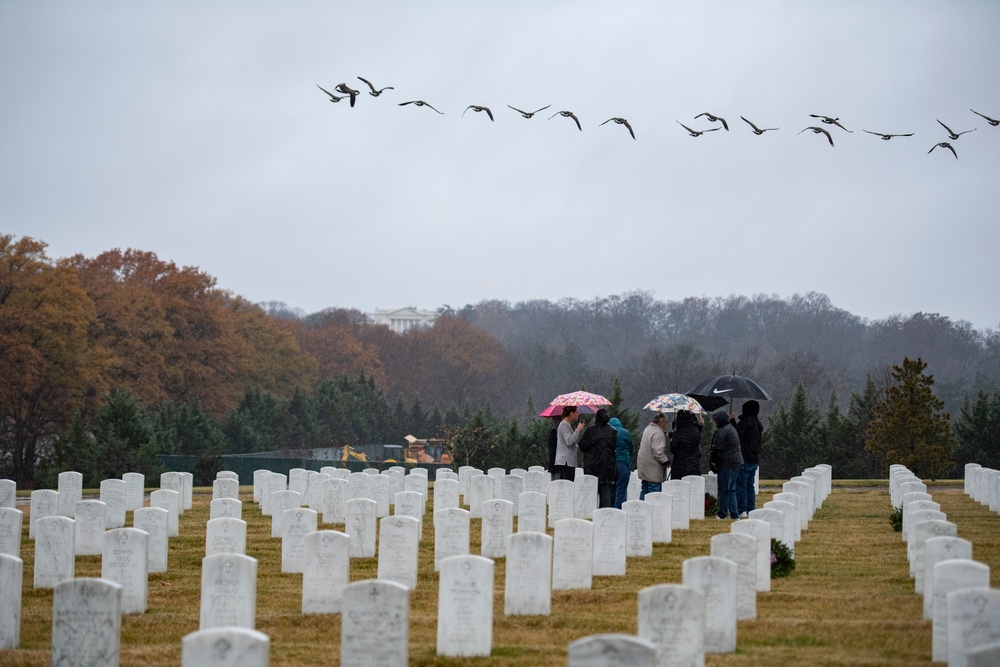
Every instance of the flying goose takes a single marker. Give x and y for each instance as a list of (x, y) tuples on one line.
[(819, 130), (621, 121), (696, 133), (420, 103), (757, 130), (347, 90), (992, 121), (477, 109), (955, 135), (944, 144), (830, 121), (715, 119), (887, 137), (529, 114), (567, 114), (333, 98), (375, 92)]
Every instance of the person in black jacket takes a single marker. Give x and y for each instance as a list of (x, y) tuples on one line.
[(553, 441), (685, 446), (726, 461), (598, 447), (751, 433)]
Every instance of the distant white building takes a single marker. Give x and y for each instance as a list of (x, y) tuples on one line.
[(402, 320)]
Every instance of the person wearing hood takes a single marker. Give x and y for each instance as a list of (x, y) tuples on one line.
[(685, 446), (598, 446), (751, 433), (623, 462), (726, 461)]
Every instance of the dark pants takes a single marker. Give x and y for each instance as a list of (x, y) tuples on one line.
[(649, 487), (621, 484), (564, 472), (605, 494), (727, 492), (746, 499)]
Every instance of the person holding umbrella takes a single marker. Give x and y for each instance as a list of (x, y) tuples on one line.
[(726, 461), (566, 444), (653, 462)]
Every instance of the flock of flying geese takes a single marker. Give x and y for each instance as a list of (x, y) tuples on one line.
[(346, 92)]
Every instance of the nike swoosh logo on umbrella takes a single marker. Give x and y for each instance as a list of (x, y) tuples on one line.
[(720, 391)]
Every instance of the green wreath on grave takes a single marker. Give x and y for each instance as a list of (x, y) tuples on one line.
[(711, 505), (896, 519), (782, 561)]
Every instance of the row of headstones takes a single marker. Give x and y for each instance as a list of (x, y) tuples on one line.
[(957, 598), (530, 576), (983, 485)]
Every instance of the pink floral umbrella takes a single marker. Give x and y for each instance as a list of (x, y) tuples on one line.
[(580, 398), (556, 410)]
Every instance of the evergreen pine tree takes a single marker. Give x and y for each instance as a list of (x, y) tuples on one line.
[(791, 440), (978, 432), (909, 426)]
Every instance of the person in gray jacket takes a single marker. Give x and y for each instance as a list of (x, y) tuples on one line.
[(726, 460)]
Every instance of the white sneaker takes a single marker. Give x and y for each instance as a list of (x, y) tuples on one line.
[(743, 515)]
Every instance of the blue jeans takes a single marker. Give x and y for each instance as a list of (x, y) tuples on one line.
[(727, 492), (621, 483), (649, 487), (746, 499)]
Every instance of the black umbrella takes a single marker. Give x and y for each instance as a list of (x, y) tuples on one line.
[(715, 393)]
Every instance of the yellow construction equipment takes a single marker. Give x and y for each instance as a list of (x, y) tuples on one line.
[(348, 453), (427, 450)]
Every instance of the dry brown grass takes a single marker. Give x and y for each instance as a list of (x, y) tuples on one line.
[(849, 602)]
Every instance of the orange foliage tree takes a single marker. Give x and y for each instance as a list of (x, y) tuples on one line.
[(48, 369)]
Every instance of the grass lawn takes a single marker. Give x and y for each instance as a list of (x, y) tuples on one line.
[(849, 601)]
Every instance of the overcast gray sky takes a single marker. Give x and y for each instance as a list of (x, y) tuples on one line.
[(196, 131)]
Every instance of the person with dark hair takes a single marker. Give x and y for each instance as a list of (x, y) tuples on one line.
[(685, 446), (726, 461), (566, 444), (623, 462), (598, 447), (653, 462), (553, 442), (751, 433)]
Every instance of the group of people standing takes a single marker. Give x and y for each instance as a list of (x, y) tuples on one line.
[(607, 454)]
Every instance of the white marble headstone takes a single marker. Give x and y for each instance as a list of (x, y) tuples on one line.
[(280, 502), (411, 504), (89, 527), (43, 503), (696, 508), (716, 579), (481, 489), (572, 560), (937, 549), (761, 531), (742, 550), (973, 622), (10, 531), (531, 515), (611, 650), (561, 499), (360, 526), (335, 492), (610, 534), (375, 624), (226, 647), (11, 574), (681, 493), (296, 523), (949, 576), (663, 516), (226, 488), (585, 496), (169, 500), (498, 523), (70, 487), (135, 489), (465, 607), (451, 534), (124, 561), (326, 572), (639, 528), (225, 535), (672, 617), (153, 520), (86, 622), (225, 508), (228, 591), (398, 547), (446, 494), (511, 487), (113, 497), (528, 575)]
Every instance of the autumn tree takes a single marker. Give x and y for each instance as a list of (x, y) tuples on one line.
[(909, 426), (48, 369)]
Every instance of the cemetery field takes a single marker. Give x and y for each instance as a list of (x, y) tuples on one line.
[(850, 600)]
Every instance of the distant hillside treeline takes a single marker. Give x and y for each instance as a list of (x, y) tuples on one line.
[(75, 331)]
